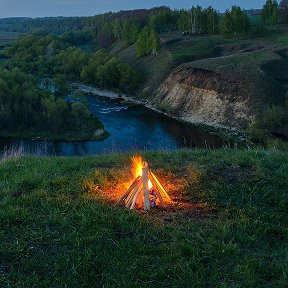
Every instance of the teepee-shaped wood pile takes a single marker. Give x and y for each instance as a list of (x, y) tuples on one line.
[(146, 191)]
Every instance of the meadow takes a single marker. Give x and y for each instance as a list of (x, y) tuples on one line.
[(226, 227)]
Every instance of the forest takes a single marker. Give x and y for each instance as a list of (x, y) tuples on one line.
[(130, 26), (144, 25), (35, 57), (51, 56), (25, 106)]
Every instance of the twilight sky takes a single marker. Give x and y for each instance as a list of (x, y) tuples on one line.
[(43, 8)]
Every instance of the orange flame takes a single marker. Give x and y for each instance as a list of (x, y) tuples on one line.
[(137, 166)]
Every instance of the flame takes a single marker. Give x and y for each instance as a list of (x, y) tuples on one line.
[(137, 165)]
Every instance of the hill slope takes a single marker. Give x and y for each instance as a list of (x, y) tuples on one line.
[(227, 225), (212, 79)]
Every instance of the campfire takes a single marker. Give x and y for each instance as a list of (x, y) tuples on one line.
[(146, 191)]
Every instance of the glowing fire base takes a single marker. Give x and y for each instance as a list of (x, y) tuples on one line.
[(145, 192)]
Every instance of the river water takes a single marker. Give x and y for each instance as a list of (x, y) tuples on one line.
[(131, 128)]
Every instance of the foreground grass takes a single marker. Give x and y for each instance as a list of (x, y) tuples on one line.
[(56, 230)]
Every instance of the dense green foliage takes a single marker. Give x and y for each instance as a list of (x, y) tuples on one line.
[(270, 12), (147, 42), (228, 227), (77, 37), (273, 122), (104, 29), (25, 106), (235, 22), (283, 8), (198, 20), (51, 56), (105, 70), (57, 25), (163, 20)]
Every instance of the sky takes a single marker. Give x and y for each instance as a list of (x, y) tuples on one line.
[(46, 8)]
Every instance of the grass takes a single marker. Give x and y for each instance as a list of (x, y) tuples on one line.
[(153, 69), (195, 48), (58, 230), (256, 20)]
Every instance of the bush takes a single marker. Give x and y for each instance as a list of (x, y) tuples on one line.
[(273, 121)]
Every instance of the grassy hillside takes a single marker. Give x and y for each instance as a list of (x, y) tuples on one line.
[(257, 58), (227, 226)]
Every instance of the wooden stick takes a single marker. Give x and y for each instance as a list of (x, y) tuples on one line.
[(131, 197), (155, 186), (140, 199), (159, 185), (160, 197), (145, 179), (133, 185), (136, 196)]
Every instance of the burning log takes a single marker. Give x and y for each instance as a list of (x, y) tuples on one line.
[(146, 191)]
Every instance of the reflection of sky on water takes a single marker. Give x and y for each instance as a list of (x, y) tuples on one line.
[(130, 128)]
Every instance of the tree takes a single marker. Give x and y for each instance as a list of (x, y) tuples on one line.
[(61, 85), (184, 20), (148, 42), (163, 20), (117, 29), (130, 31), (283, 7), (105, 36), (212, 20), (154, 41), (142, 43), (235, 22), (270, 12), (196, 20)]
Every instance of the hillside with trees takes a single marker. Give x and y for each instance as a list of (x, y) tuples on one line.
[(46, 112), (26, 110)]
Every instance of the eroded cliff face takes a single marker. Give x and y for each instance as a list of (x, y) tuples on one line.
[(202, 96)]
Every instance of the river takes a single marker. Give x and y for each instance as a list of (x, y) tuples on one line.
[(131, 128)]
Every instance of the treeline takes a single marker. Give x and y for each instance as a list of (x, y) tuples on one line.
[(26, 106), (48, 25), (274, 12), (103, 30), (132, 26), (52, 56)]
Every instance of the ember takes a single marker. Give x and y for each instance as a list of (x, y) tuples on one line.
[(146, 191)]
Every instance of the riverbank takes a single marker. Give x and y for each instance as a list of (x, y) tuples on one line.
[(97, 133), (228, 134)]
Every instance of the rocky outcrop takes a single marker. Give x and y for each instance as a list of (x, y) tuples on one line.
[(203, 96)]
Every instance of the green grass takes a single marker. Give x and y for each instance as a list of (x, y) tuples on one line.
[(195, 48), (56, 230), (153, 69), (256, 20)]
